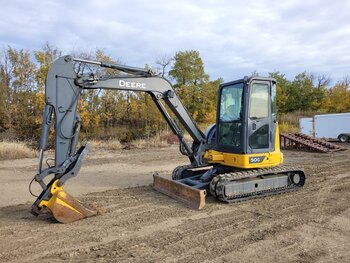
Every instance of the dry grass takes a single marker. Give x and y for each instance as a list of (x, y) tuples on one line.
[(114, 145), (154, 142), (15, 150), (109, 145), (286, 127), (289, 122)]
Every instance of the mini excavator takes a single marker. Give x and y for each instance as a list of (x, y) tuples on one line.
[(237, 158)]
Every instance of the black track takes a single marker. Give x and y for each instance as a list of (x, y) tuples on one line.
[(219, 183)]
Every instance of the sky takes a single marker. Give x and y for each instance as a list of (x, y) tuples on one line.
[(234, 38)]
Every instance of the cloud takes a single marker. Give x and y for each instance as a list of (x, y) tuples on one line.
[(233, 39)]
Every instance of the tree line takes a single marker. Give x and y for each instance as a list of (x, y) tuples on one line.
[(128, 115)]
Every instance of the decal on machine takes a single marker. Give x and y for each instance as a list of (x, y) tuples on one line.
[(256, 159), (131, 84)]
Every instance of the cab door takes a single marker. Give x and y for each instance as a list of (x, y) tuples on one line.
[(260, 121)]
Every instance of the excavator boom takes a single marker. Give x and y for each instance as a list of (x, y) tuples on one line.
[(63, 89)]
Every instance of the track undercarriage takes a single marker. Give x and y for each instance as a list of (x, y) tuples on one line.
[(228, 185)]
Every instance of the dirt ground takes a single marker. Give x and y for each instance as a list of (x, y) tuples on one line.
[(138, 224)]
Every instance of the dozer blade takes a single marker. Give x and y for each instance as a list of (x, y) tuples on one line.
[(194, 198), (64, 207)]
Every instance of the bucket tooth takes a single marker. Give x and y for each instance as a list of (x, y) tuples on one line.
[(193, 197)]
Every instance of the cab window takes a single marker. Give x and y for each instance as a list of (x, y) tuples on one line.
[(230, 114)]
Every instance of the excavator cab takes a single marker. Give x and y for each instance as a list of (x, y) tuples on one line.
[(246, 125), (232, 137)]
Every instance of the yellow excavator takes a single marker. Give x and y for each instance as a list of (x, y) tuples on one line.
[(237, 158)]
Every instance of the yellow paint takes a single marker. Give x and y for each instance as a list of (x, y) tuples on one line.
[(56, 198), (242, 160)]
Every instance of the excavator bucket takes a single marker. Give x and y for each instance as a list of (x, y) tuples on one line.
[(194, 198), (64, 207)]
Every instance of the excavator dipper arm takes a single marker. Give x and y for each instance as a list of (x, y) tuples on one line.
[(63, 89)]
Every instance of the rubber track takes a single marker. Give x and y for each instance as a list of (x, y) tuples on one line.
[(217, 185)]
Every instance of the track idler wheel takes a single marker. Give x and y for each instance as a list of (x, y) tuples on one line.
[(297, 179)]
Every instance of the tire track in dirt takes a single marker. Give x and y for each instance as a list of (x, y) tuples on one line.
[(220, 230), (141, 225)]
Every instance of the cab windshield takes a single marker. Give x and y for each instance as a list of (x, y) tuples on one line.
[(230, 115)]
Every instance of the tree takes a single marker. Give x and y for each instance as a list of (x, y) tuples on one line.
[(188, 68), (164, 61), (23, 74), (301, 94), (6, 68), (207, 113), (323, 81), (129, 115), (21, 97), (254, 74), (281, 90), (338, 98), (345, 82), (191, 80), (45, 58)]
